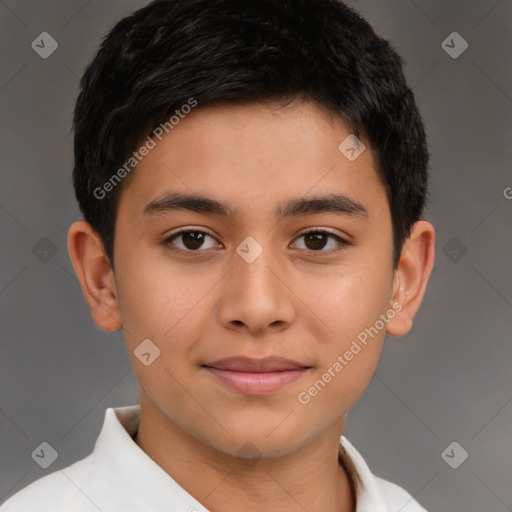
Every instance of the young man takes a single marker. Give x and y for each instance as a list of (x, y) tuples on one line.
[(252, 177)]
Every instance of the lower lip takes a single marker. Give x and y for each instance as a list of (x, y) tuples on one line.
[(256, 383)]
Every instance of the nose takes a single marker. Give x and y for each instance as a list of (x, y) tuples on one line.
[(256, 298)]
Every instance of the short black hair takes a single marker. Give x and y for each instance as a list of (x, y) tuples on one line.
[(171, 52)]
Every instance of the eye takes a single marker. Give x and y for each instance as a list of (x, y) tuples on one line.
[(317, 240), (191, 240)]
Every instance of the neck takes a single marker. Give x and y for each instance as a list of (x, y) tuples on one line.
[(311, 478)]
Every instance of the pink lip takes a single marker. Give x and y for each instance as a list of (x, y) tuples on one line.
[(256, 376)]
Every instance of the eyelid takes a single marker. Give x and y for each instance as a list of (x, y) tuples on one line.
[(187, 229), (320, 230), (345, 238)]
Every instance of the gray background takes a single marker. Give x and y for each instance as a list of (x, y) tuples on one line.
[(448, 380)]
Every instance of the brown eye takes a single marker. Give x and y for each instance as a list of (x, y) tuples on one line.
[(191, 240), (316, 241)]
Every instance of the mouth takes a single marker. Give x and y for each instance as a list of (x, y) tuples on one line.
[(256, 376)]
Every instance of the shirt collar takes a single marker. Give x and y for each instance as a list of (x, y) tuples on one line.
[(149, 487)]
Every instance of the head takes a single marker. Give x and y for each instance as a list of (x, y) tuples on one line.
[(249, 109)]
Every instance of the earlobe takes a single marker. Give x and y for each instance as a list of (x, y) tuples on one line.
[(94, 272), (411, 276)]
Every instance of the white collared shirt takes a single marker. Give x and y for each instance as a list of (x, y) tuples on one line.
[(118, 476)]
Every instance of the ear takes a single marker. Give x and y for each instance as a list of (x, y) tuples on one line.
[(94, 271), (411, 276)]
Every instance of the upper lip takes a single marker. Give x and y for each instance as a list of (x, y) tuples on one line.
[(251, 365)]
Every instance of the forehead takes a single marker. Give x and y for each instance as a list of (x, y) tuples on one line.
[(255, 157)]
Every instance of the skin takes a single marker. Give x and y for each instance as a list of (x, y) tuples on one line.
[(297, 300)]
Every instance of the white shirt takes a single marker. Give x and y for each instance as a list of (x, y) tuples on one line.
[(118, 476)]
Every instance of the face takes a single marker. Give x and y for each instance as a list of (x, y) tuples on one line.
[(269, 309)]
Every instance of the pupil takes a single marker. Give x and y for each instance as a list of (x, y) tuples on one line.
[(193, 239), (318, 240)]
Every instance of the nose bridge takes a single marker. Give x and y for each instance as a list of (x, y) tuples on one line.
[(254, 276), (254, 295)]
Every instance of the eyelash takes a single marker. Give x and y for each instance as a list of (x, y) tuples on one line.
[(342, 242)]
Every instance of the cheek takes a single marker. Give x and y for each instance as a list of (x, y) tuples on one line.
[(169, 305), (151, 298), (347, 301), (350, 351)]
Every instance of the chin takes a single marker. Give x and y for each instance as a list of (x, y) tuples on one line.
[(263, 439)]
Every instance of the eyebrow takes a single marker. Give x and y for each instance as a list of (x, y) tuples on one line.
[(332, 203)]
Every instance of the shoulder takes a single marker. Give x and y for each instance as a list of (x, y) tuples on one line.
[(56, 492), (397, 498)]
